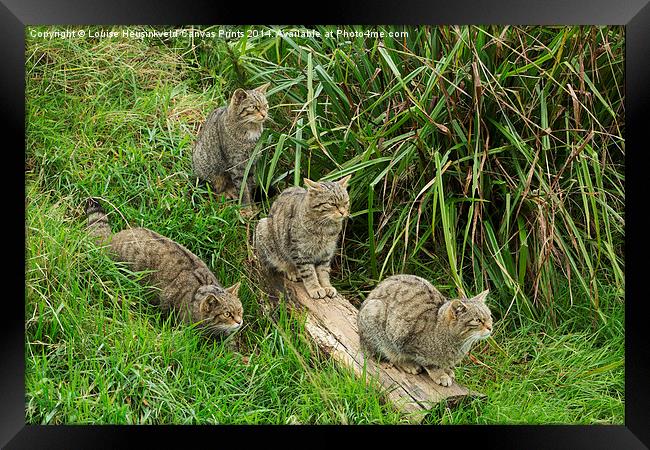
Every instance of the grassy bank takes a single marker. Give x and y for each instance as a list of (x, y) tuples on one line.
[(481, 157)]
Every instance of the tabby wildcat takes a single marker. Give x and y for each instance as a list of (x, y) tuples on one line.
[(226, 141), (299, 236), (183, 281), (411, 324)]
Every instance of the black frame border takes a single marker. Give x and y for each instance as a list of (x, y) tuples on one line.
[(634, 14)]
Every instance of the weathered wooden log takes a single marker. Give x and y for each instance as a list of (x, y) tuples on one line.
[(332, 324)]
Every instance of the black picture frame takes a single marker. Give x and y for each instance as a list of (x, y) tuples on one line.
[(634, 14)]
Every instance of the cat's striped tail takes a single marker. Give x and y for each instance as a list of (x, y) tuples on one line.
[(98, 226)]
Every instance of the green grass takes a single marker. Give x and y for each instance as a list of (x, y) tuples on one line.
[(474, 165)]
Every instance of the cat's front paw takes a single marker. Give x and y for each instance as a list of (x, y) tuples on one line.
[(231, 194), (292, 276), (441, 376), (330, 291), (317, 293), (443, 379), (409, 368), (248, 211), (450, 373)]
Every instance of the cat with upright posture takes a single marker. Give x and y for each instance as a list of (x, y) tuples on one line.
[(183, 282), (226, 142), (300, 234), (411, 324)]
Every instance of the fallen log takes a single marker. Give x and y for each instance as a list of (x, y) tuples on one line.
[(332, 324)]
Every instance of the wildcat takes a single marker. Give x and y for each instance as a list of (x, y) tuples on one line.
[(226, 141), (299, 236), (184, 282), (410, 323)]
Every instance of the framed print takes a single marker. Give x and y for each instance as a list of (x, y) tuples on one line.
[(384, 215)]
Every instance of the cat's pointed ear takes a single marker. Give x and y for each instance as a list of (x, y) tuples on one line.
[(234, 289), (262, 89), (344, 181), (238, 96), (311, 184), (208, 303), (482, 296), (456, 307)]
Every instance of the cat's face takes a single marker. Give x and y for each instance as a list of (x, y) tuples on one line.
[(250, 106), (220, 309), (329, 199), (470, 319)]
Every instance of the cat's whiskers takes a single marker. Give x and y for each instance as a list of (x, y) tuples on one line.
[(218, 329), (253, 118)]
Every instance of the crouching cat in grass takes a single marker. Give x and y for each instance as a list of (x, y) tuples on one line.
[(226, 141), (299, 236), (411, 324), (184, 282)]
